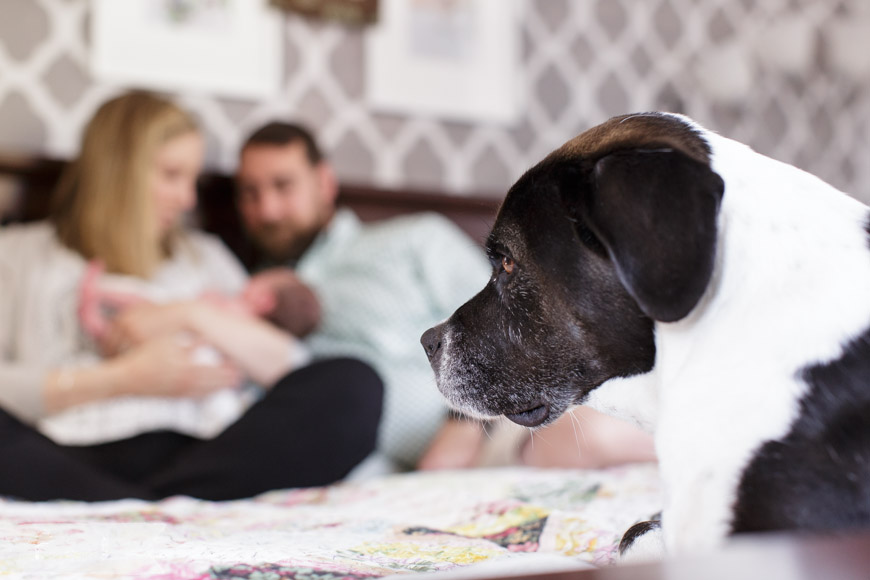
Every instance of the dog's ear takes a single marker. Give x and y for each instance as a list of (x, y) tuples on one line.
[(655, 213)]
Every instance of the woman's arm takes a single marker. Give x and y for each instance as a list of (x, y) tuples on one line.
[(164, 367), (66, 387), (232, 326), (262, 351)]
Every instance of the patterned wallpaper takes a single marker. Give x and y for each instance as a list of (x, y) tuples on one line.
[(767, 72)]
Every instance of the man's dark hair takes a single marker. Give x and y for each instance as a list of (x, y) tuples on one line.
[(280, 134)]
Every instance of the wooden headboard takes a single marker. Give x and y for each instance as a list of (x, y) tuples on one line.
[(30, 180)]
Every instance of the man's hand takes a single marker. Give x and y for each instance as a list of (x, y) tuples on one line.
[(457, 445)]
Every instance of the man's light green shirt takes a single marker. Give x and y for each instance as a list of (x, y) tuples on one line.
[(381, 285)]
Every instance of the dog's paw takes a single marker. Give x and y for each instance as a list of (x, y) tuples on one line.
[(642, 542)]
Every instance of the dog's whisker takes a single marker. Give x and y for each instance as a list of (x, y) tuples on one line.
[(576, 438), (575, 425), (539, 433), (484, 425), (580, 425)]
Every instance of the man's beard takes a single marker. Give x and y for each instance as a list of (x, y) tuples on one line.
[(282, 243)]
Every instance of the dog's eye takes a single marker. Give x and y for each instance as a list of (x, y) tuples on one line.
[(507, 264)]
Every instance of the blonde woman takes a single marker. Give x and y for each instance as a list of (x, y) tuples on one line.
[(183, 390)]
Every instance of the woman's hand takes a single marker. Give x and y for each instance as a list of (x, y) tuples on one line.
[(118, 321), (162, 367), (142, 322), (94, 306), (167, 367)]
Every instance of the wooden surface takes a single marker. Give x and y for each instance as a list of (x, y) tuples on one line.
[(762, 557)]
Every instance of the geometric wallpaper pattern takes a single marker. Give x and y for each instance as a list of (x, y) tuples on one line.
[(766, 72)]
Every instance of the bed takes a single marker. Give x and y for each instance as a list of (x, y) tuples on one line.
[(479, 522), (457, 523)]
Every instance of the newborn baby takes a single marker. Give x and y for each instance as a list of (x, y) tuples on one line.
[(101, 297)]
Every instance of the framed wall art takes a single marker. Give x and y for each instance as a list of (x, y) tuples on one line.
[(452, 59), (348, 11), (227, 47)]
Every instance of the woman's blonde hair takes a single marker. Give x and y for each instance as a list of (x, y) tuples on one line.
[(103, 207)]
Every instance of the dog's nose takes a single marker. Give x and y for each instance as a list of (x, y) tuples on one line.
[(431, 341)]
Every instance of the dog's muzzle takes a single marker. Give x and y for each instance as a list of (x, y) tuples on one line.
[(431, 341), (533, 414)]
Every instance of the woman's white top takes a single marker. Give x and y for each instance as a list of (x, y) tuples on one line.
[(40, 332)]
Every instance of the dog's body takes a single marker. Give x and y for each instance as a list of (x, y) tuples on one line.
[(718, 298)]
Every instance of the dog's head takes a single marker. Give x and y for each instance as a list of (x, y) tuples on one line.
[(608, 234)]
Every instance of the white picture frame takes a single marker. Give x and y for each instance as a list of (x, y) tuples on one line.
[(231, 48), (452, 59)]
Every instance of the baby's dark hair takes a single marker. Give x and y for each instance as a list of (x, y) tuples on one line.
[(279, 133)]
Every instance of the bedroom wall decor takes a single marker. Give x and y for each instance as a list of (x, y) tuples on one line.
[(450, 59), (581, 62), (224, 47), (347, 11)]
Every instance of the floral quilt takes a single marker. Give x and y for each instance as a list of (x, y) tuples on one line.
[(451, 523)]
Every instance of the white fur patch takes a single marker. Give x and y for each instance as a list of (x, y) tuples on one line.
[(633, 399), (649, 547), (450, 384)]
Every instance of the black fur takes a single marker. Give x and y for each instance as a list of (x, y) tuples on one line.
[(818, 477), (557, 326), (634, 532), (655, 211)]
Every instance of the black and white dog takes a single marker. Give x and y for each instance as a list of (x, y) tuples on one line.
[(718, 298)]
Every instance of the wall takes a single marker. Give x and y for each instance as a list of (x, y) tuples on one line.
[(582, 61)]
